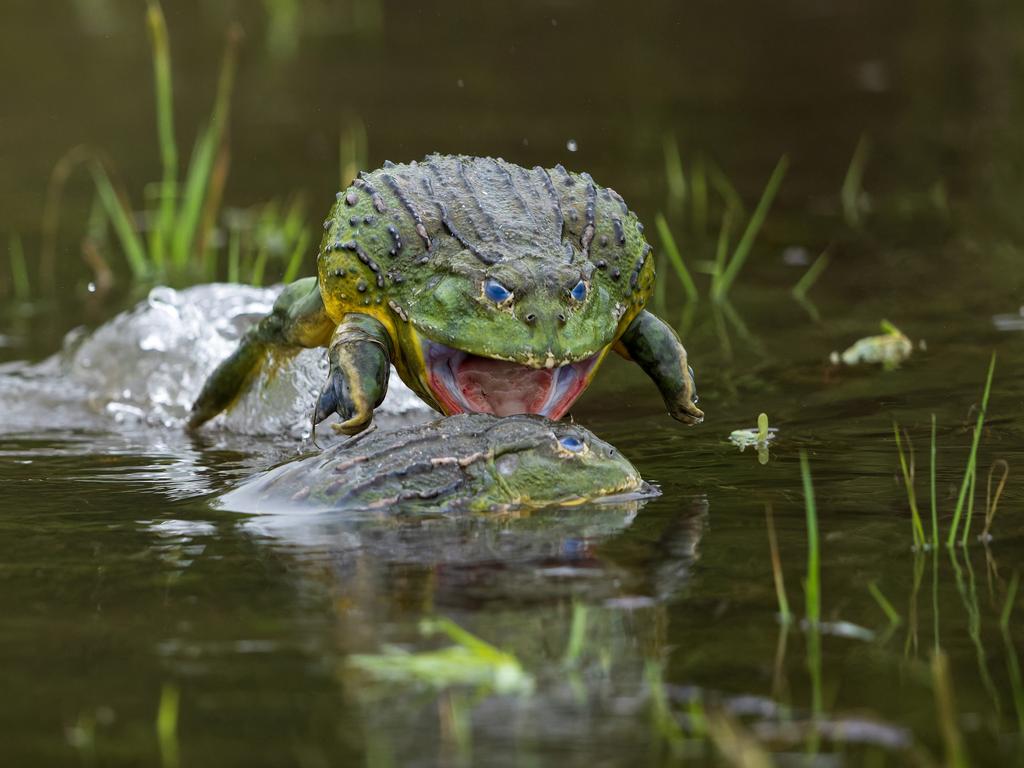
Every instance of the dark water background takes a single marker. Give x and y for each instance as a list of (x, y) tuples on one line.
[(118, 580)]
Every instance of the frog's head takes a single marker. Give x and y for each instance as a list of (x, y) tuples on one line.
[(516, 336), (540, 463)]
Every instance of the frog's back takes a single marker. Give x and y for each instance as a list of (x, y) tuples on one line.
[(398, 225)]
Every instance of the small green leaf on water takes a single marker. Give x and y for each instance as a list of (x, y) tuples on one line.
[(762, 427), (891, 329)]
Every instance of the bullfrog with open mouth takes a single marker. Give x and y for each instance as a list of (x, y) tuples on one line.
[(490, 287)]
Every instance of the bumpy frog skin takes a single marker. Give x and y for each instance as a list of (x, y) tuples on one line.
[(469, 462), (492, 288)]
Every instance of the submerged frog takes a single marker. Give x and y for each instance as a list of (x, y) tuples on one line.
[(492, 288), (469, 462)]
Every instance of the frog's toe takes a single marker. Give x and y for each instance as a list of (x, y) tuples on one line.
[(688, 413), (354, 410), (354, 425), (327, 402), (685, 408)]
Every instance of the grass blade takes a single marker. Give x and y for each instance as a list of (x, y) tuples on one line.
[(725, 189), (161, 235), (992, 502), (887, 608), (291, 272), (810, 277), (785, 615), (674, 176), (931, 480), (955, 755), (853, 183), (167, 726), (757, 218), (204, 154), (699, 194), (812, 585), (973, 456), (908, 481), (1011, 598), (669, 244), (970, 507), (120, 214), (19, 269), (234, 255), (722, 248)]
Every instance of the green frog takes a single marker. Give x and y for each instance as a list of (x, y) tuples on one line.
[(471, 462), (490, 287)]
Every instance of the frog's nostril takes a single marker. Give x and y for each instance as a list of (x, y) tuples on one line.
[(530, 319), (562, 318)]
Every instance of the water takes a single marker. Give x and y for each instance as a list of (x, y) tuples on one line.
[(120, 578)]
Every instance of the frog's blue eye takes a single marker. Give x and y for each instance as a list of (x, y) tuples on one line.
[(496, 292), (573, 444), (579, 291)]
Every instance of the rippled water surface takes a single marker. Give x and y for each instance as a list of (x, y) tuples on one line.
[(638, 634)]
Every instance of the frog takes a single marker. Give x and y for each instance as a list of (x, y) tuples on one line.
[(466, 463), (489, 287)]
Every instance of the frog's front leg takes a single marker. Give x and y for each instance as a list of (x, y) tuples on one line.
[(297, 320), (360, 359), (655, 347)]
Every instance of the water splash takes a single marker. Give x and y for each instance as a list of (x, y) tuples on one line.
[(147, 365)]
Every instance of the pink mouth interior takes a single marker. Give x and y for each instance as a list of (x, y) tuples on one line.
[(469, 383)]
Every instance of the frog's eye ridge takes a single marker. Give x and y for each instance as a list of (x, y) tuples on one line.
[(571, 443), (496, 292), (579, 291)]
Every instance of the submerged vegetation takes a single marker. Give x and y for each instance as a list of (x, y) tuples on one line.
[(966, 493)]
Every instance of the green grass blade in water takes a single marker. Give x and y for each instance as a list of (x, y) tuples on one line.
[(813, 582), (161, 235), (672, 251), (757, 218), (972, 457), (120, 216), (203, 155)]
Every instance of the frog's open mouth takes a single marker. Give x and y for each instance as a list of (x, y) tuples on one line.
[(467, 383)]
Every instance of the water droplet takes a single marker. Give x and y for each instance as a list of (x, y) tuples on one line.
[(460, 83), (91, 287), (571, 145)]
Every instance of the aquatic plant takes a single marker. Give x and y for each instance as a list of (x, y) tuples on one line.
[(887, 608), (176, 236), (736, 744), (726, 266), (890, 348), (810, 277), (931, 483), (971, 471), (851, 194), (722, 281), (666, 726), (907, 468), (167, 726), (471, 661), (785, 615), (956, 756), (669, 244), (812, 582), (992, 502), (20, 286)]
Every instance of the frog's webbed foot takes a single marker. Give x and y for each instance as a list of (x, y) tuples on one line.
[(656, 348), (360, 364), (297, 320)]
